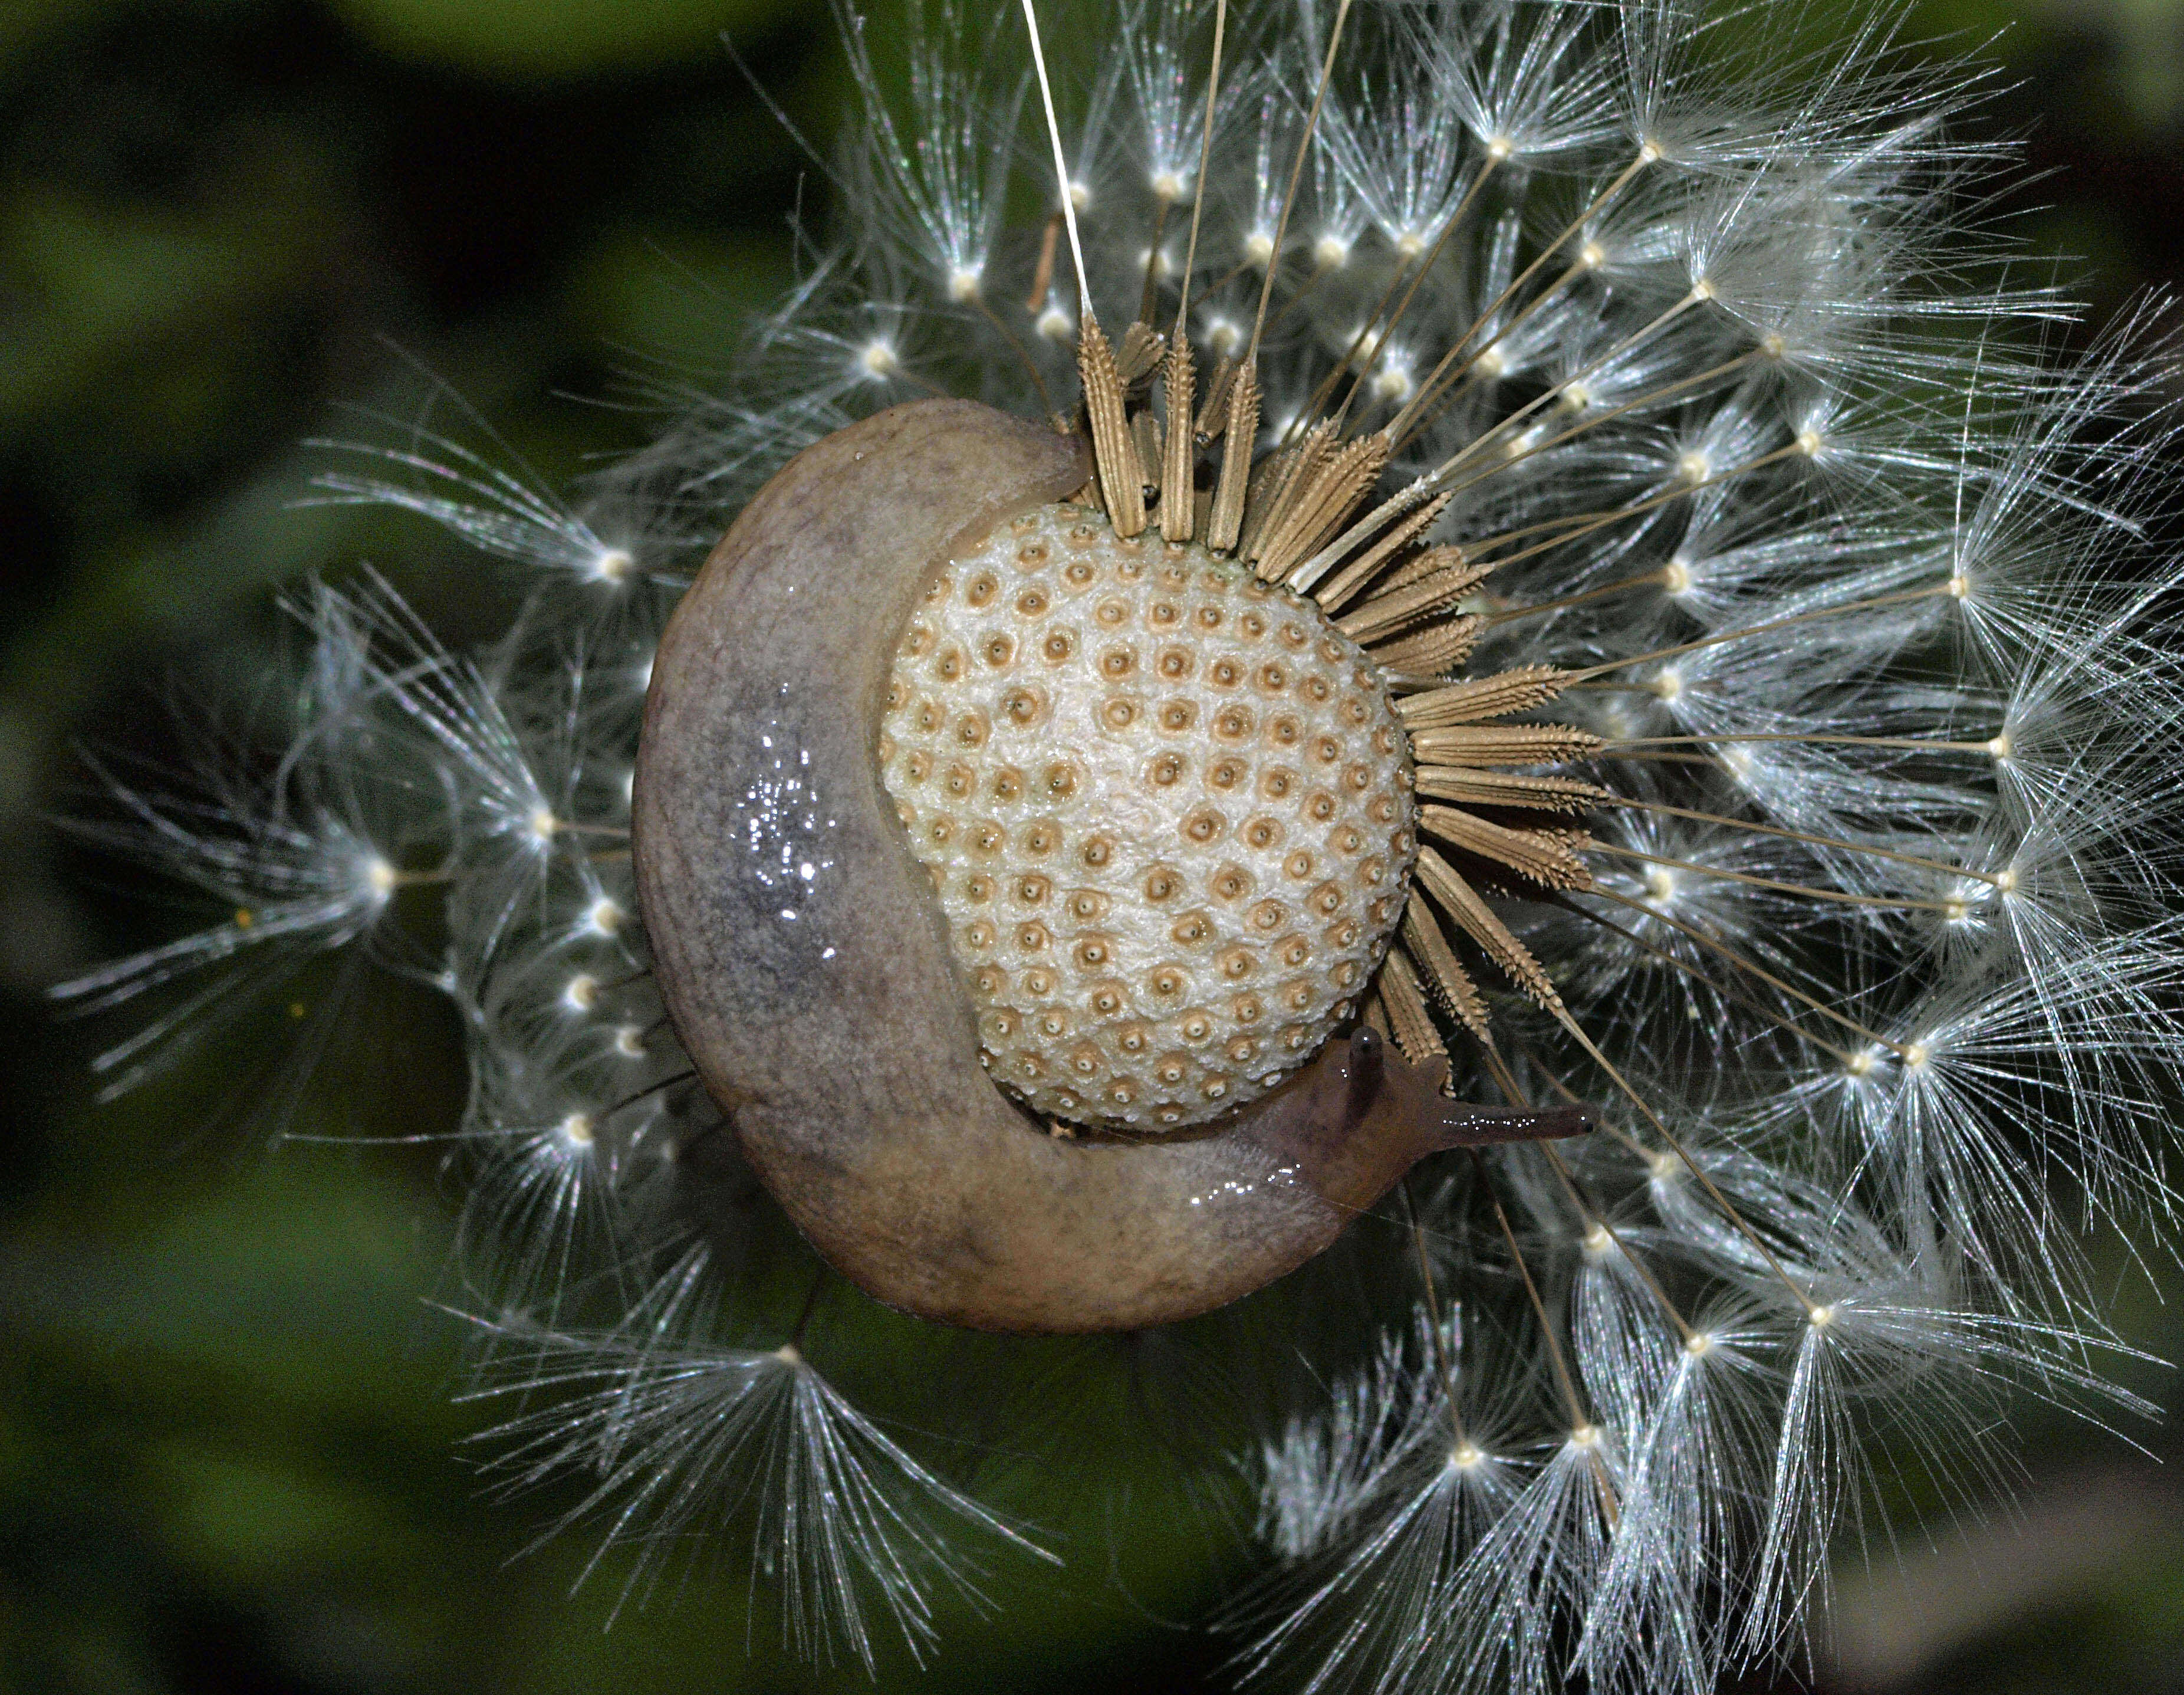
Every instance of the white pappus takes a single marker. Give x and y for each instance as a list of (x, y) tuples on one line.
[(1843, 886)]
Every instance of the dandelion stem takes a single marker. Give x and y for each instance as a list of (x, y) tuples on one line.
[(1504, 1078), (1564, 1381), (1149, 291), (1571, 1097), (1302, 422), (1693, 760), (1300, 298), (1606, 591), (1042, 275)]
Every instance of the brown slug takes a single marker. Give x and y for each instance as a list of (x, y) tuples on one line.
[(808, 967)]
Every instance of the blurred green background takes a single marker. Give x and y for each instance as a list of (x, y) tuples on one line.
[(228, 1457)]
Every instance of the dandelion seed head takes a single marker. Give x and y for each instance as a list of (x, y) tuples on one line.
[(1767, 695)]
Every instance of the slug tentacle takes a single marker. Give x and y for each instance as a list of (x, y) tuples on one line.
[(803, 957)]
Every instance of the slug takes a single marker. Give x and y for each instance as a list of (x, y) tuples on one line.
[(805, 958)]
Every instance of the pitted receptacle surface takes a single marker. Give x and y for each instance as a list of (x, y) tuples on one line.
[(1167, 810)]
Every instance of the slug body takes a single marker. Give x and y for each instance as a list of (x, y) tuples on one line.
[(803, 956)]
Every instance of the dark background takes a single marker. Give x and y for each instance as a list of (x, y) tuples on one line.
[(228, 1457)]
